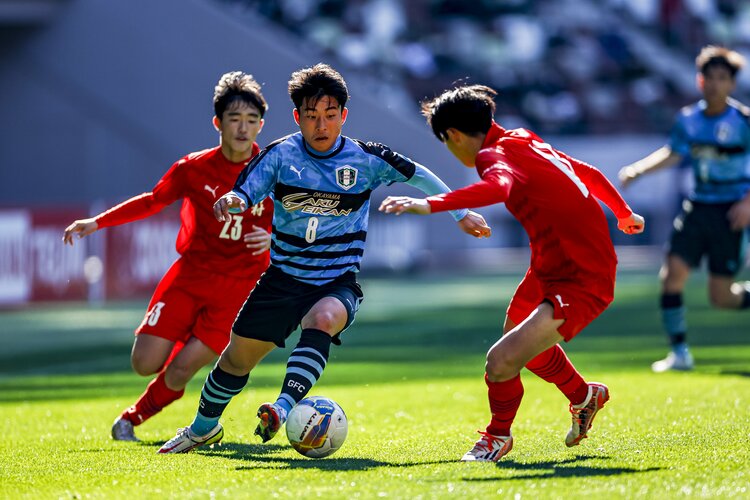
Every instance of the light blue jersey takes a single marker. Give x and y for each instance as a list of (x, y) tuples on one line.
[(322, 200), (718, 150)]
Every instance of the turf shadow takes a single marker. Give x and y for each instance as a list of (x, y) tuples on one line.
[(558, 469), (262, 453)]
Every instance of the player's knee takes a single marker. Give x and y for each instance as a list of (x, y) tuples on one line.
[(721, 299), (145, 365), (324, 320), (499, 365), (178, 375)]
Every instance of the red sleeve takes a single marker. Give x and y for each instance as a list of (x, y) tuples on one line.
[(599, 186), (493, 188), (167, 190)]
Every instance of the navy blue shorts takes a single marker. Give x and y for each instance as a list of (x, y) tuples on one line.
[(702, 229), (278, 303)]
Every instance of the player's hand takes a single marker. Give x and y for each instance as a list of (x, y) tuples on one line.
[(627, 175), (258, 240), (81, 228), (739, 215), (227, 202), (475, 225), (405, 204), (633, 224)]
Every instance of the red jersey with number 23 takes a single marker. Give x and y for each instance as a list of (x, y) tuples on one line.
[(554, 197), (199, 179)]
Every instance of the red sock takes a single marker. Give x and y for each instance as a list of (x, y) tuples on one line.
[(505, 398), (152, 401), (554, 366)]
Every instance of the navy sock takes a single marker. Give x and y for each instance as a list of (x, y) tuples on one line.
[(304, 367), (218, 390), (745, 298)]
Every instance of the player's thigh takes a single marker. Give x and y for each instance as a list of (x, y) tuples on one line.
[(274, 308), (220, 302), (193, 356), (243, 354), (337, 308), (149, 353), (175, 304), (726, 253), (537, 333), (689, 239), (721, 293)]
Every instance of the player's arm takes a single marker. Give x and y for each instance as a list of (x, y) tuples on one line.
[(169, 189), (493, 188), (255, 182), (136, 208), (602, 189), (470, 222), (663, 157)]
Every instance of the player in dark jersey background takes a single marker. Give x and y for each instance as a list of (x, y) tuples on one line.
[(714, 136), (571, 277), (321, 183), (191, 312)]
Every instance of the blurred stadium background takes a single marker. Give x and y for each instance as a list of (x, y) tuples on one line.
[(100, 97)]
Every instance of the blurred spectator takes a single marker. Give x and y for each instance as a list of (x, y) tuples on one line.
[(562, 66)]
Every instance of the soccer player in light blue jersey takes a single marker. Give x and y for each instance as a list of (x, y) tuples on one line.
[(321, 182), (714, 136)]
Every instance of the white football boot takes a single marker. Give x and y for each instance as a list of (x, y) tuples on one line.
[(676, 360), (185, 440), (489, 448), (122, 430)]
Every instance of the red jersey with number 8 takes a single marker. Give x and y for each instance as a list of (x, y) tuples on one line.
[(199, 179), (553, 196)]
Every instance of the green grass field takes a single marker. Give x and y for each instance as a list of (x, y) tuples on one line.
[(409, 377)]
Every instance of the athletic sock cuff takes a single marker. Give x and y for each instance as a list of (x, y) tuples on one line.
[(317, 339), (227, 380), (671, 300)]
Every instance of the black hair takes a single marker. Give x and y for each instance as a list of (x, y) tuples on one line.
[(469, 109), (316, 82), (237, 86), (711, 56)]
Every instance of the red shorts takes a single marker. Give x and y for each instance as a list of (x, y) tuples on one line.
[(194, 302), (577, 302)]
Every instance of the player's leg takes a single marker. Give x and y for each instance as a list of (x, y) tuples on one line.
[(673, 276), (321, 326), (726, 255), (226, 380), (505, 359), (149, 353), (166, 388)]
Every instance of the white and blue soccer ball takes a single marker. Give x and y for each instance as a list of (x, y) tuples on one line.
[(316, 427)]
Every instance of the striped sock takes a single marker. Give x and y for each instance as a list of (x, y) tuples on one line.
[(304, 367), (505, 398), (152, 401), (554, 367), (673, 318), (218, 390)]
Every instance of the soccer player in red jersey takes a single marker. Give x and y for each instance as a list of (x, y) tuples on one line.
[(571, 278), (190, 315)]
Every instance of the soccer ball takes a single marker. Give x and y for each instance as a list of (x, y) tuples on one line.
[(316, 427)]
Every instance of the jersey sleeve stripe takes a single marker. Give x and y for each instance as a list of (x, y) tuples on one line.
[(402, 164)]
